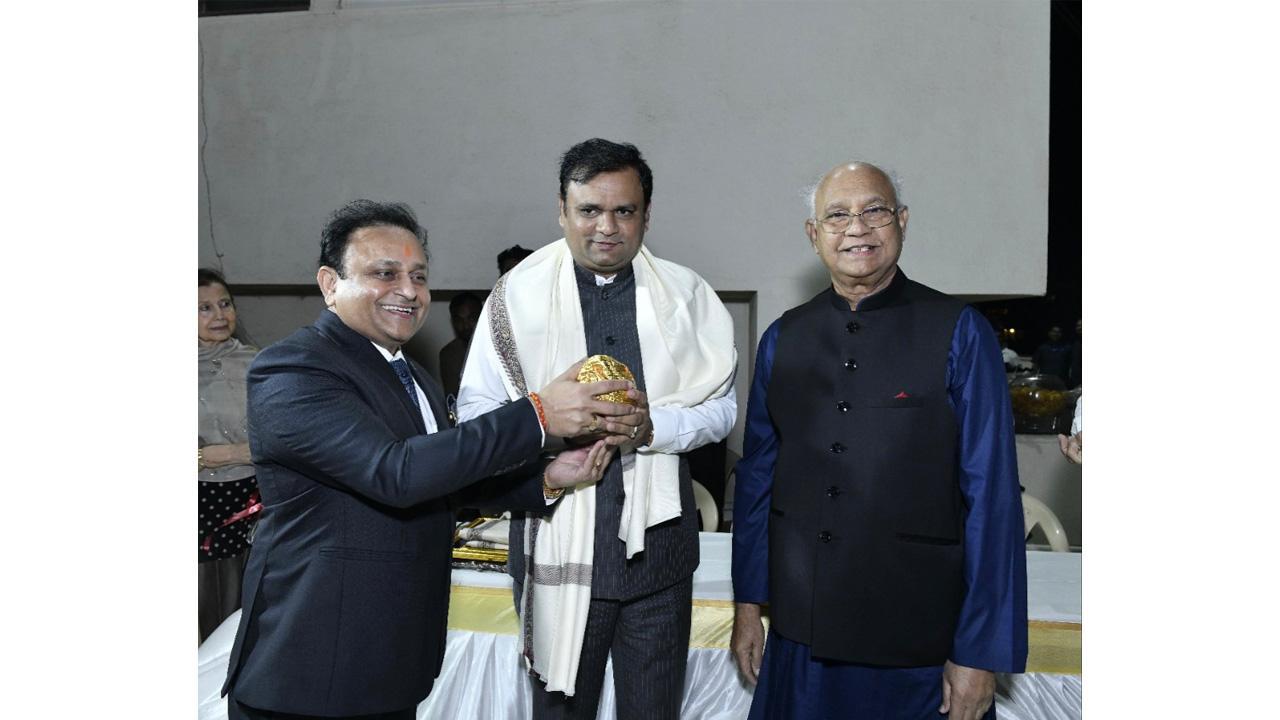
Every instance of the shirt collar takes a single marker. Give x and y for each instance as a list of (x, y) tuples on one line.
[(886, 296), (588, 278), (386, 355)]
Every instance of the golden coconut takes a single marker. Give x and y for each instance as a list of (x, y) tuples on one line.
[(603, 367)]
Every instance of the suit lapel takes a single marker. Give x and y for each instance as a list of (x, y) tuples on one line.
[(360, 349), (435, 396)]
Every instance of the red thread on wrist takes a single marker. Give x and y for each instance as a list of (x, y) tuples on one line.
[(537, 405)]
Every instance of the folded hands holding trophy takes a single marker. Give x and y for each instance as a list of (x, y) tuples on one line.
[(612, 416)]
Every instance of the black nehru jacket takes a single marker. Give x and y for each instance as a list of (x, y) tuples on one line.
[(867, 518), (671, 548)]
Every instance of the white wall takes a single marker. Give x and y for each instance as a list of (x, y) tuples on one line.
[(462, 111)]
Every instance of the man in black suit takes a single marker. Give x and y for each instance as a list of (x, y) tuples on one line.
[(347, 586)]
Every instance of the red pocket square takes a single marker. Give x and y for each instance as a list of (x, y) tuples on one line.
[(901, 395)]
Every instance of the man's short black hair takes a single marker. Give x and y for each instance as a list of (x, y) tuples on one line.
[(587, 159), (515, 252), (362, 214), (464, 298)]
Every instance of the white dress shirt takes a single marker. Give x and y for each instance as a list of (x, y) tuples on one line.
[(428, 417)]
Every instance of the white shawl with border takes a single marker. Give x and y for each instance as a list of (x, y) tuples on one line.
[(686, 342)]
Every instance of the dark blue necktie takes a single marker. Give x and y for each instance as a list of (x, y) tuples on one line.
[(402, 371)]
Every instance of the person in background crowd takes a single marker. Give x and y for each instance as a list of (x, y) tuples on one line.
[(1008, 355), (1053, 357), (464, 311), (1077, 360), (224, 472), (347, 589), (616, 579), (877, 507), (511, 257)]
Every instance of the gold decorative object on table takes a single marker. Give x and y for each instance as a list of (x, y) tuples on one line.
[(467, 549), (485, 555), (603, 367)]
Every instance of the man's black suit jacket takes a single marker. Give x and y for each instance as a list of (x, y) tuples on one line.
[(346, 591)]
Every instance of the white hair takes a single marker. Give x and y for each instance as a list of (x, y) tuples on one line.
[(810, 192)]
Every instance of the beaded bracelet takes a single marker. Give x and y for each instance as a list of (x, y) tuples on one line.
[(549, 492), (537, 405)]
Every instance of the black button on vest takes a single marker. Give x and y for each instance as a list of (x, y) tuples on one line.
[(842, 406), (833, 491), (853, 327), (824, 536), (850, 364), (838, 448)]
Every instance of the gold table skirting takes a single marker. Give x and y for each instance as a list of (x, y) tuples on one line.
[(1054, 646)]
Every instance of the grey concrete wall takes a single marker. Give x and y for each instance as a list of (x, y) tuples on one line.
[(462, 109)]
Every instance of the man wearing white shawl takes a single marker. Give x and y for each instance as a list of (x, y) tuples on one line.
[(607, 570)]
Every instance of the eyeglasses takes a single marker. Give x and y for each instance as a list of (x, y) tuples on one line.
[(876, 216)]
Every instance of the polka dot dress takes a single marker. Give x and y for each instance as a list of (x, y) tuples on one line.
[(219, 501)]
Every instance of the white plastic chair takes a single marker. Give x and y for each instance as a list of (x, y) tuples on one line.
[(706, 507), (1036, 513)]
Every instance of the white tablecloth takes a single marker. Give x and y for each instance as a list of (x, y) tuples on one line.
[(483, 677)]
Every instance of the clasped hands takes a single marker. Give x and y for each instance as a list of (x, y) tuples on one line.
[(594, 428)]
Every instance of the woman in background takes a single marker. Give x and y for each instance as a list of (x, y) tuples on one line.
[(227, 489)]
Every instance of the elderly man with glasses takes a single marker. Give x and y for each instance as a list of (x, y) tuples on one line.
[(877, 504)]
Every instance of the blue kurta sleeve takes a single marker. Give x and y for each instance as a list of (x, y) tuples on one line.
[(754, 484), (992, 631)]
